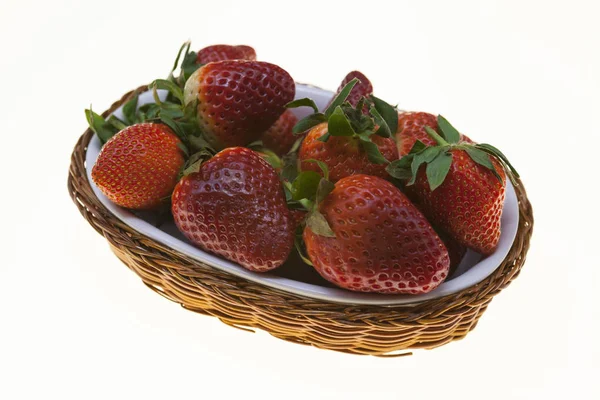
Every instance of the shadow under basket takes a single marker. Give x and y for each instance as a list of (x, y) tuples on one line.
[(373, 330)]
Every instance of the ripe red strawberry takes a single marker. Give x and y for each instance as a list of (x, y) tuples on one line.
[(382, 241), (411, 127), (238, 100), (279, 137), (468, 204), (235, 207), (138, 167), (363, 88), (459, 186), (344, 155), (221, 52)]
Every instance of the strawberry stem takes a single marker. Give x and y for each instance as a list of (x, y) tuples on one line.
[(185, 46), (117, 123), (155, 95), (307, 204), (440, 140)]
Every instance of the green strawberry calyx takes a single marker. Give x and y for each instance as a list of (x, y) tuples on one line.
[(345, 120), (307, 191), (285, 165), (438, 158), (181, 118)]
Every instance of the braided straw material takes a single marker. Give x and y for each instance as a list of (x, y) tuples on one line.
[(358, 329)]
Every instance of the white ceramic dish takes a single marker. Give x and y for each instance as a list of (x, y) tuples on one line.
[(473, 268)]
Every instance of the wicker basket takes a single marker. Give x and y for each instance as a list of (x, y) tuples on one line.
[(374, 330)]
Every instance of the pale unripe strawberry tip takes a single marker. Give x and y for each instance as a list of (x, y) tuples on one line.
[(192, 87)]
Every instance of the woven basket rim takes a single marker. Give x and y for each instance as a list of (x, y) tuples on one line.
[(135, 250)]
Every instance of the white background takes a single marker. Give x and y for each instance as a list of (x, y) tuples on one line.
[(77, 324)]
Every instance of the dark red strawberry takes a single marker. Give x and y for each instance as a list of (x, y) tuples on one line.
[(459, 186), (344, 155), (138, 167), (363, 88), (279, 137), (411, 127), (296, 217), (468, 204), (222, 52), (456, 251), (238, 100), (379, 241), (235, 207)]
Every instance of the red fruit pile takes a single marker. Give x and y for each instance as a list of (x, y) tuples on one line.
[(375, 200)]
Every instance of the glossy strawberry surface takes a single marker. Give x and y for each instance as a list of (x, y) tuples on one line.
[(382, 242), (138, 167), (235, 207), (238, 100)]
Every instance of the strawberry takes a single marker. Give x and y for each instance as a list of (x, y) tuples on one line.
[(138, 167), (365, 235), (411, 127), (236, 100), (459, 186), (279, 137), (456, 251), (221, 52), (363, 88), (344, 155), (468, 204), (235, 206), (297, 217), (346, 139)]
